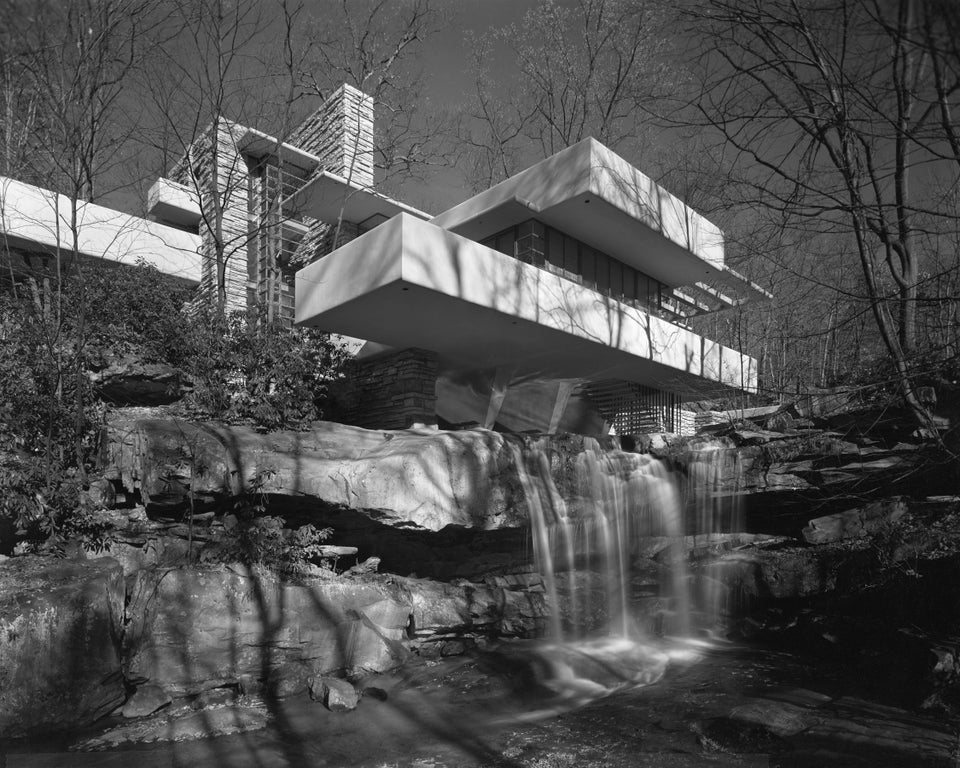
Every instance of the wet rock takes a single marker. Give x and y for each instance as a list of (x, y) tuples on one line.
[(883, 735), (780, 718), (854, 523), (182, 724), (60, 626), (335, 694), (215, 697), (721, 734), (755, 573), (453, 648), (146, 700)]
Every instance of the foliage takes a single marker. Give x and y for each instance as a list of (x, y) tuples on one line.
[(45, 439), (244, 369), (138, 311), (263, 541), (252, 370)]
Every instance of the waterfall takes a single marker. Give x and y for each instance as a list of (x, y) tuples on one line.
[(596, 518), (713, 491), (588, 539), (584, 544)]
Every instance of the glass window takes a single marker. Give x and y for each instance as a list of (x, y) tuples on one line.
[(616, 279), (603, 272), (571, 262), (630, 285), (588, 266), (505, 243), (555, 248)]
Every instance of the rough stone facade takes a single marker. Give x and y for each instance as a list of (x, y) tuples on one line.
[(219, 174), (243, 228), (394, 391), (340, 133)]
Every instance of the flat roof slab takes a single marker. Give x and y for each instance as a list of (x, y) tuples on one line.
[(593, 194)]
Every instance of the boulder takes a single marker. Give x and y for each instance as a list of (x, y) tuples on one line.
[(755, 573), (854, 523), (337, 695), (60, 628), (130, 381)]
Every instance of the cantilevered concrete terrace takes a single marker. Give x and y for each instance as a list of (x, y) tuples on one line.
[(433, 285), (37, 219), (594, 195), (411, 283)]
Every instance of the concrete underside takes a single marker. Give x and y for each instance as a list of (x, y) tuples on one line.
[(409, 283)]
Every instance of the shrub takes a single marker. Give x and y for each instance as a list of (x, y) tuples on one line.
[(250, 370)]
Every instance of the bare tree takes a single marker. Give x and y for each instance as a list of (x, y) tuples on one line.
[(375, 46), (206, 70), (832, 118), (63, 79), (593, 69)]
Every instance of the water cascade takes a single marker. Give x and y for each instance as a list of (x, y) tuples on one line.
[(589, 534)]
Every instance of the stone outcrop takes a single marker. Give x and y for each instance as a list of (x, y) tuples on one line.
[(412, 478), (424, 479), (130, 381), (69, 648), (196, 628), (60, 629), (757, 573), (745, 460), (854, 523)]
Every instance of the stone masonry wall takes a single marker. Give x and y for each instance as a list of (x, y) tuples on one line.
[(340, 133), (394, 391), (222, 183)]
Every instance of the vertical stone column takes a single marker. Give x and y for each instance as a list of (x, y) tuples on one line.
[(221, 178), (340, 133)]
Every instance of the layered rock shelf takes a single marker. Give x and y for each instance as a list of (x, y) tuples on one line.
[(823, 515), (72, 639)]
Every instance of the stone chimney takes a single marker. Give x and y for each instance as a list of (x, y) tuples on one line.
[(340, 133)]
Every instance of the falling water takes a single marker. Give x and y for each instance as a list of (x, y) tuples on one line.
[(584, 545), (713, 491), (592, 538)]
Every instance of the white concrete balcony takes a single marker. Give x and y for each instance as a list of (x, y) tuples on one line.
[(410, 283), (174, 203), (38, 219)]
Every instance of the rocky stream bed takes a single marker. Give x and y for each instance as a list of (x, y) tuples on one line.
[(837, 641)]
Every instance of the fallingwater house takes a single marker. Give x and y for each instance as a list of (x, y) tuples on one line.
[(557, 300)]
